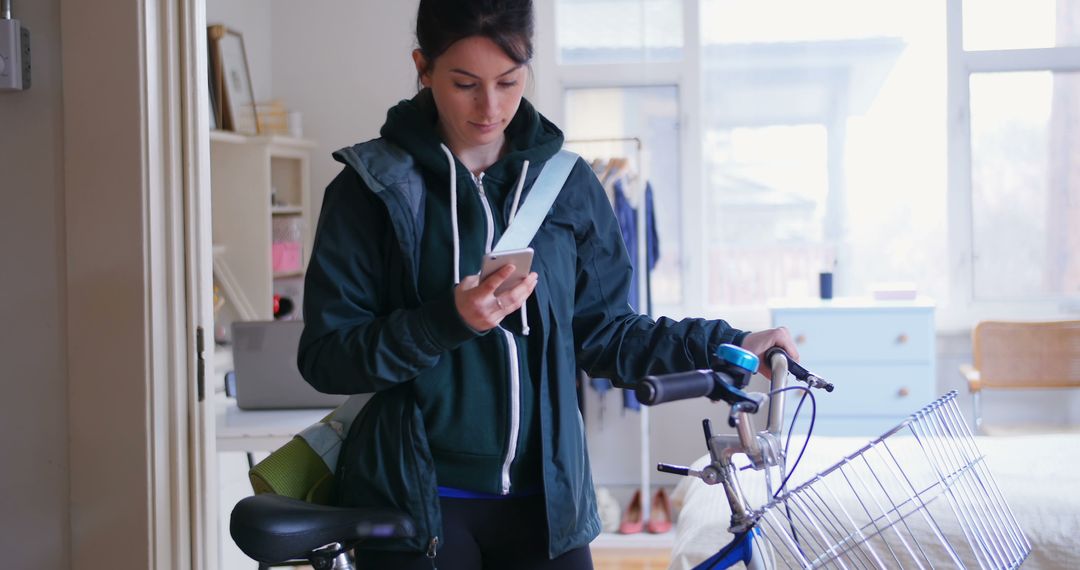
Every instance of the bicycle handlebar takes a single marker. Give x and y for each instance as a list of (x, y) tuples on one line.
[(653, 390), (716, 384)]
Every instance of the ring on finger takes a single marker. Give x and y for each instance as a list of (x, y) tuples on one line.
[(498, 302)]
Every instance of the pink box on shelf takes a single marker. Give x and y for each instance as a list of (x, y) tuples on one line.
[(286, 256)]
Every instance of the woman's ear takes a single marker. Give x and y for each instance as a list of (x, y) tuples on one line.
[(422, 70)]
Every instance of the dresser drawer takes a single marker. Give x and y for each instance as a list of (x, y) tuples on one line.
[(860, 336), (894, 391)]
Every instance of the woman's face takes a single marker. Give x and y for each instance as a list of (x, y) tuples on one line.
[(477, 90)]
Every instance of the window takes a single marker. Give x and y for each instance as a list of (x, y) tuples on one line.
[(858, 136), (606, 115), (1020, 181), (823, 144), (618, 31), (1017, 172), (806, 135)]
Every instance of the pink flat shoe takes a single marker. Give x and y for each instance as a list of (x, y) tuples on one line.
[(631, 519)]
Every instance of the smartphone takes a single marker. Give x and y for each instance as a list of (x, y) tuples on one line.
[(521, 259)]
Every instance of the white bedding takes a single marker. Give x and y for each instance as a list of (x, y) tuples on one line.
[(1037, 474)]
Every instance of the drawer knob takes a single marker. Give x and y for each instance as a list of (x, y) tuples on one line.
[(902, 339), (903, 392), (800, 339)]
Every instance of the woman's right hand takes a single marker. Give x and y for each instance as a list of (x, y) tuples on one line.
[(760, 342), (478, 305)]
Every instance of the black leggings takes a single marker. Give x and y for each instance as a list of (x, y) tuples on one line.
[(489, 534)]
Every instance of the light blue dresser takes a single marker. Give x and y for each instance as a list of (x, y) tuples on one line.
[(878, 354)]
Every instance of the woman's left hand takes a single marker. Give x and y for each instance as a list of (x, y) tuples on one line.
[(761, 341), (481, 308)]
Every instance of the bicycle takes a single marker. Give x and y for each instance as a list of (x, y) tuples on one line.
[(806, 527), (869, 510)]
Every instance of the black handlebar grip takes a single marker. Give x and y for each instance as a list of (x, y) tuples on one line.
[(653, 390)]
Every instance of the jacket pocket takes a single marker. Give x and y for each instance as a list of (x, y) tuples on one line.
[(385, 462)]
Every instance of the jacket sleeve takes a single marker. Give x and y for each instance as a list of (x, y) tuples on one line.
[(611, 340), (358, 337)]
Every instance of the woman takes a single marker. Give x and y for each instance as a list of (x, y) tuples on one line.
[(474, 428)]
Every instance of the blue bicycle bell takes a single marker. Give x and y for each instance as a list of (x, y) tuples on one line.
[(738, 357)]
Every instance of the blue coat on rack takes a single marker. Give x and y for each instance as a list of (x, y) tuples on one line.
[(627, 217)]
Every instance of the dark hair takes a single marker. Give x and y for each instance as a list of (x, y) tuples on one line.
[(508, 23)]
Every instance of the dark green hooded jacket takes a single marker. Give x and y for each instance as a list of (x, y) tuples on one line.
[(380, 317)]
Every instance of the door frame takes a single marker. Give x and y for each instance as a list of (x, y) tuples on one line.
[(136, 156)]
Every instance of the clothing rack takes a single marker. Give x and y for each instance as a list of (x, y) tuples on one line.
[(644, 296)]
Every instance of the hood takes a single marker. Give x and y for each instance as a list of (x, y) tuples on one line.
[(411, 125)]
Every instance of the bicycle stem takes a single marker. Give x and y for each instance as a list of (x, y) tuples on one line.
[(779, 366), (761, 448)]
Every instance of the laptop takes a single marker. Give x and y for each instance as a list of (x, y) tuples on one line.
[(264, 359)]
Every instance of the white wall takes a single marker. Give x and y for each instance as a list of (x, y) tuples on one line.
[(342, 65), (34, 512)]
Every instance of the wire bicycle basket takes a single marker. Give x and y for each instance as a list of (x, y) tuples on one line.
[(872, 510)]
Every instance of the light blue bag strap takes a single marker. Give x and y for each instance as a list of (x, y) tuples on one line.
[(325, 437), (542, 195)]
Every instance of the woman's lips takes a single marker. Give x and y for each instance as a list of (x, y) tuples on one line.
[(484, 127)]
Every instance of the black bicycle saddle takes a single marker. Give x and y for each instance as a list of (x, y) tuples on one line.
[(272, 529)]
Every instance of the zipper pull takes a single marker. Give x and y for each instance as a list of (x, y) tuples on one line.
[(431, 551)]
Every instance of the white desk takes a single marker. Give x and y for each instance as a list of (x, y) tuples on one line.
[(259, 430)]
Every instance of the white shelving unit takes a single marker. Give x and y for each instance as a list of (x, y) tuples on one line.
[(256, 180)]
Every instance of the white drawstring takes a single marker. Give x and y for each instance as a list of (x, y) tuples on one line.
[(454, 223), (517, 191), (453, 213)]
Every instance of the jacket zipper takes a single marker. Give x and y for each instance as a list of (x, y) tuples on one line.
[(479, 180), (511, 354), (515, 405), (433, 545)]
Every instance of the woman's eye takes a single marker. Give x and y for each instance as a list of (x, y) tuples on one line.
[(507, 84), (464, 86)]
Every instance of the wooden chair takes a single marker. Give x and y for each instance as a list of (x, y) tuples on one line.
[(1022, 355)]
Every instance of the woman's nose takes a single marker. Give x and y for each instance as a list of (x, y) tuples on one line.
[(487, 102)]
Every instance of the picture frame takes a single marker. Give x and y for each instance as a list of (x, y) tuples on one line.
[(213, 72), (213, 98), (232, 92)]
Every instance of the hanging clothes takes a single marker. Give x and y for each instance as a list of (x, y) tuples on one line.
[(626, 215)]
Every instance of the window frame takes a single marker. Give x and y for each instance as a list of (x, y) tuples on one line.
[(963, 309)]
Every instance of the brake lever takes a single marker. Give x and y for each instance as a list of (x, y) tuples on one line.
[(800, 373), (709, 475)]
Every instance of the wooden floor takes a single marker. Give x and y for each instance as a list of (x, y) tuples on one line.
[(631, 558), (617, 559)]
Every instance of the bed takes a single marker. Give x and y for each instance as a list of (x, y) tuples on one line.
[(1037, 475)]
